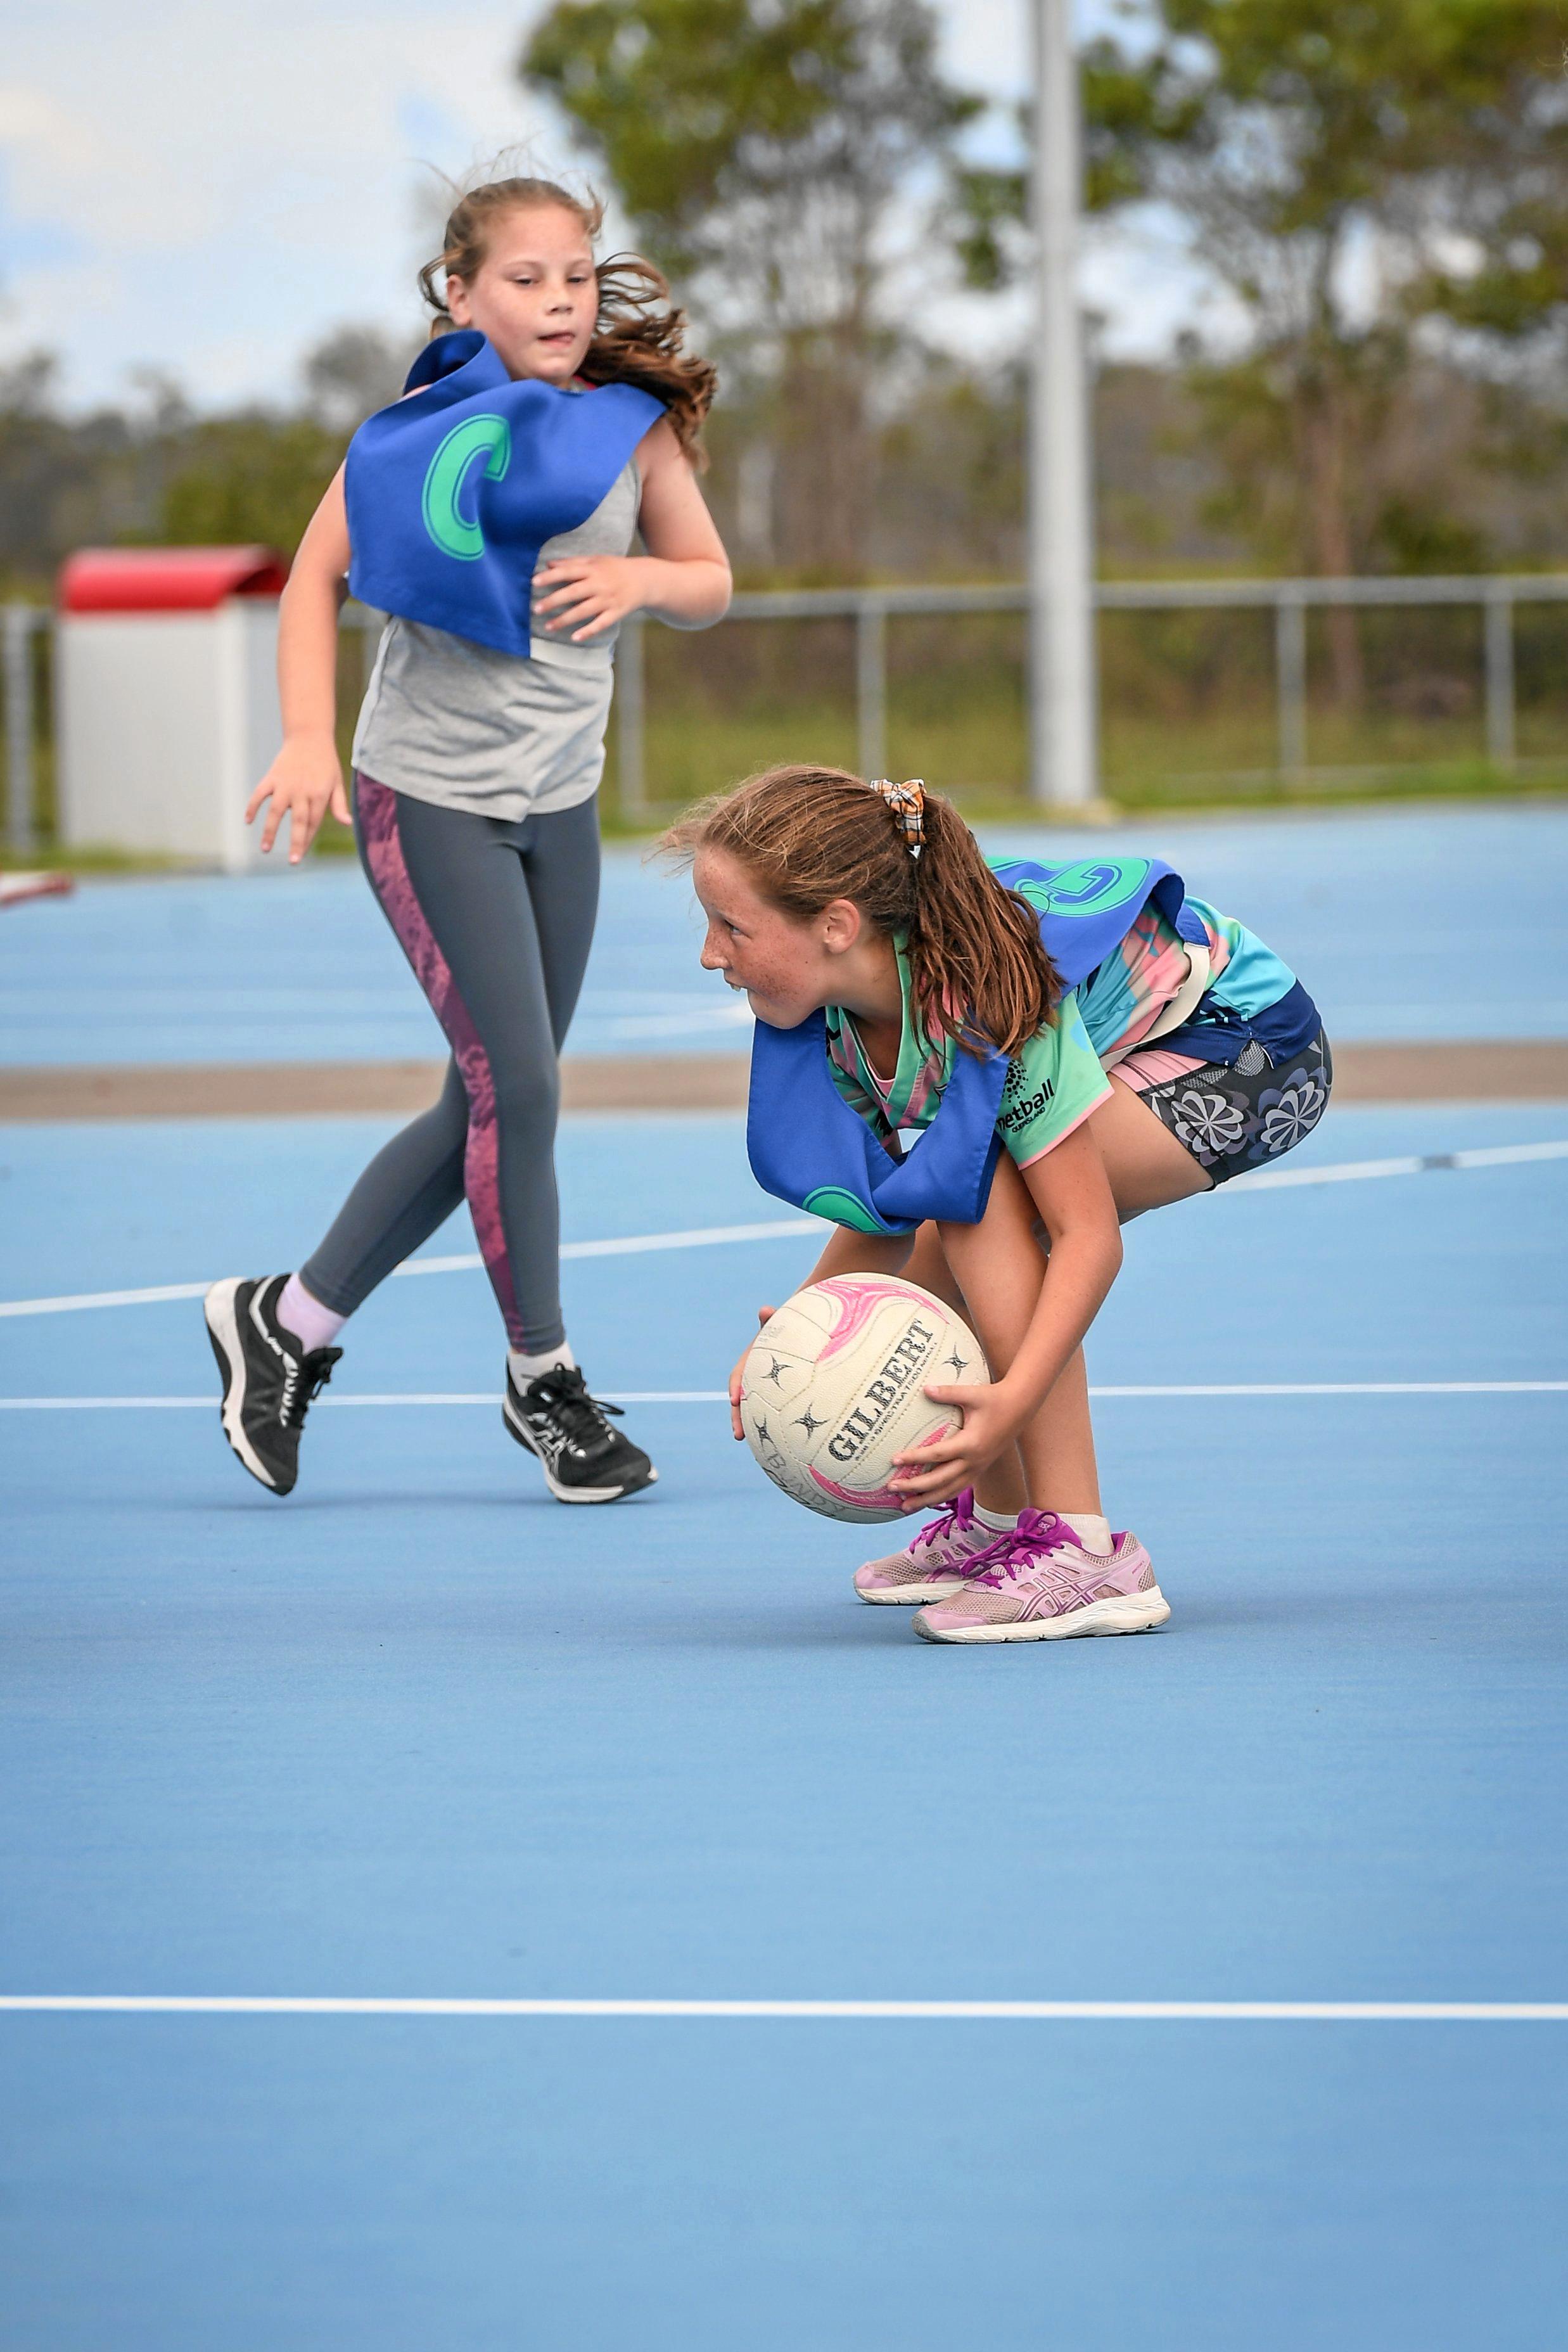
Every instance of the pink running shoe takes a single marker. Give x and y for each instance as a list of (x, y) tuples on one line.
[(1041, 1585), (936, 1563)]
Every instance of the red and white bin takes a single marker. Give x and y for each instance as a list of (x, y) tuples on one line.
[(166, 687)]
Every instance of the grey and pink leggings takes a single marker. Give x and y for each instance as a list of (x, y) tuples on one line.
[(497, 918)]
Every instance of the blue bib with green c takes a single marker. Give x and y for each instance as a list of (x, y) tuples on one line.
[(451, 496), (806, 1143)]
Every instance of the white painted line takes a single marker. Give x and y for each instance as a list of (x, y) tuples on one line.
[(1360, 1171), (488, 1397), (706, 1237), (104, 1298), (633, 1244), (1500, 1155), (468, 1261), (621, 1245), (719, 1396), (700, 1237), (1343, 1388), (1332, 2012)]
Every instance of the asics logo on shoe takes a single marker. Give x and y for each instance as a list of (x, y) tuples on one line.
[(584, 1459), (551, 1441), (292, 1366)]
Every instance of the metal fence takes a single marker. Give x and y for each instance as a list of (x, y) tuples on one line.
[(871, 609), (1495, 594)]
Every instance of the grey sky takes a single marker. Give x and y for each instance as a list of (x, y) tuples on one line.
[(207, 188)]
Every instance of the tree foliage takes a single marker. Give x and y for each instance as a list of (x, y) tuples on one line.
[(730, 129), (154, 473), (248, 478), (1365, 178), (761, 152)]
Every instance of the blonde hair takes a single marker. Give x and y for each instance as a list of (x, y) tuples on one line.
[(638, 334), (808, 835)]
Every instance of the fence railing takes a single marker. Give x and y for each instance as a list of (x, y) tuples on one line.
[(1495, 594), (1289, 600)]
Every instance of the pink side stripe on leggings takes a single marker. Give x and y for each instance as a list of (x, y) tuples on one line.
[(395, 887)]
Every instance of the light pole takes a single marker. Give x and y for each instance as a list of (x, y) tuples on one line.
[(1063, 765)]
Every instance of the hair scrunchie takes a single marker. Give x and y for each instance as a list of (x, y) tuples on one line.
[(906, 805)]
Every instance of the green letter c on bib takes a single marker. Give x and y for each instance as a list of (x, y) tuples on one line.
[(486, 438), (832, 1201), (1091, 886)]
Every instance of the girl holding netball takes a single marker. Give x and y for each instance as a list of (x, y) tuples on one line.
[(981, 1071), (491, 513)]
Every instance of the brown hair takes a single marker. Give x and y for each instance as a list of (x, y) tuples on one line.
[(807, 836), (638, 335)]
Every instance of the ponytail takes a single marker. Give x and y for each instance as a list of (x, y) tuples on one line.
[(805, 835)]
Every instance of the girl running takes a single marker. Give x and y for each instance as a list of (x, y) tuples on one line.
[(980, 1070), (490, 512)]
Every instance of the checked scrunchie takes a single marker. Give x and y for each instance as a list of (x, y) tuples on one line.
[(906, 805)]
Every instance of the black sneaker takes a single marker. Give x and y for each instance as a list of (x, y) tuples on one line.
[(585, 1460), (270, 1379)]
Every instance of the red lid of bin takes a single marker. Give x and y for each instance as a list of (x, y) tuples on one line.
[(167, 578)]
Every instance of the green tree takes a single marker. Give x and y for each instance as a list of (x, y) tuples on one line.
[(254, 477), (258, 474), (761, 152), (1360, 175), (1363, 178)]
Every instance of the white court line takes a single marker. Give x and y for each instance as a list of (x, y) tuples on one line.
[(1348, 1171), (621, 1246), (720, 1396), (491, 1398), (1333, 2012), (1354, 1171), (1343, 1388)]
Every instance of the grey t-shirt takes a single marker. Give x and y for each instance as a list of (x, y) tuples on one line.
[(499, 734)]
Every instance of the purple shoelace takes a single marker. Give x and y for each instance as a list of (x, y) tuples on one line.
[(957, 1519), (1037, 1531)]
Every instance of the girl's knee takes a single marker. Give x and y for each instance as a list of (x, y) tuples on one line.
[(527, 1095), (878, 1253)]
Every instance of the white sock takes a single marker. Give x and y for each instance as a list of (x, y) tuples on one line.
[(1000, 1523), (525, 1369), (313, 1324), (1093, 1532)]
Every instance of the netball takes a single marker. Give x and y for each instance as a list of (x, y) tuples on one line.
[(835, 1387)]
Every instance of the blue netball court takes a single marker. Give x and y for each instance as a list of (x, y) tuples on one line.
[(418, 1736)]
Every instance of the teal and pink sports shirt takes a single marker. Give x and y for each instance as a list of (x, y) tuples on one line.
[(1058, 1078)]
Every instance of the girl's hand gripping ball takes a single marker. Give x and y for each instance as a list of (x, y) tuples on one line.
[(834, 1387)]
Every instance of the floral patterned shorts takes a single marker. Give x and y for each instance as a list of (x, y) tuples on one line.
[(1243, 1115)]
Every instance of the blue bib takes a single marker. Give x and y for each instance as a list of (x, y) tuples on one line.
[(452, 496), (807, 1145)]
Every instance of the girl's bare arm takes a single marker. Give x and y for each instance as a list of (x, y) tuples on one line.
[(683, 579), (307, 779)]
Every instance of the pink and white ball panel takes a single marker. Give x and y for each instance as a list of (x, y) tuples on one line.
[(835, 1386)]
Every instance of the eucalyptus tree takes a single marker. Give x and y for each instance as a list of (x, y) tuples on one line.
[(782, 160)]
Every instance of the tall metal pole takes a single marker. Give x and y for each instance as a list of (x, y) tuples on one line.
[(1063, 766), (871, 687), (19, 619)]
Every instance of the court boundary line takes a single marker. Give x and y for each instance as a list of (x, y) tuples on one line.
[(467, 1262), (1506, 1155), (1348, 2012), (492, 1399)]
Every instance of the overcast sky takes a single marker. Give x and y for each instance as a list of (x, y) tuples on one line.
[(206, 186)]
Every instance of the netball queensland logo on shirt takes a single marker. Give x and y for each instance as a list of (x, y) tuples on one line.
[(478, 448), (1091, 887)]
